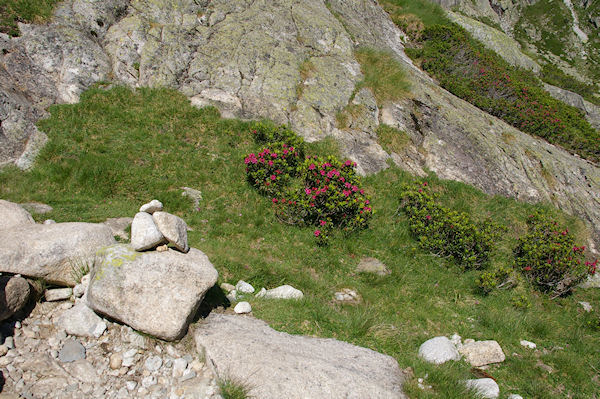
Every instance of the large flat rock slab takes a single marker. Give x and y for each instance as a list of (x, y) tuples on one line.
[(52, 251), (154, 292), (279, 365)]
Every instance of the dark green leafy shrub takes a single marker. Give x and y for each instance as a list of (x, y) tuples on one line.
[(548, 257), (444, 232), (272, 168), (497, 277), (266, 132), (467, 69)]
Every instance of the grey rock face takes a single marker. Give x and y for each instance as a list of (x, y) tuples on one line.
[(118, 226), (284, 292), (14, 294), (157, 293), (13, 215), (144, 233), (52, 251), (152, 206), (36, 207), (438, 350), (591, 111), (173, 228), (280, 365)]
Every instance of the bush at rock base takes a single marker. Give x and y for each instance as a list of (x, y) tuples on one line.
[(548, 257), (266, 132), (444, 232)]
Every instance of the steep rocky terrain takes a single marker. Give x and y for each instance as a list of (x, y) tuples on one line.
[(289, 61)]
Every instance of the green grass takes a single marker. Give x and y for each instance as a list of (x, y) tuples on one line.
[(233, 389), (383, 74), (14, 11), (428, 12), (118, 149)]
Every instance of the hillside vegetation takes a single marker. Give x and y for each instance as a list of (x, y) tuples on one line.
[(467, 69), (14, 11), (119, 147)]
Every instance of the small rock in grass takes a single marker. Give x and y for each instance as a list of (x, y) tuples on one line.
[(347, 295), (372, 265), (515, 396), (195, 195), (244, 288), (586, 306), (49, 221), (152, 206), (58, 294), (261, 293), (284, 292), (480, 353), (528, 344), (438, 350), (232, 296), (227, 287), (242, 307), (484, 387)]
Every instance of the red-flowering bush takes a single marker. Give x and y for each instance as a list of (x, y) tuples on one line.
[(330, 197), (548, 257), (272, 168)]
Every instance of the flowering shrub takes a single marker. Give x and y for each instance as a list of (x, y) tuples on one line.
[(330, 197), (324, 193), (445, 232), (272, 168), (467, 69), (548, 257)]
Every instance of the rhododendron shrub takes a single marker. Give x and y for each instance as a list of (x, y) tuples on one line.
[(330, 197), (548, 257), (324, 193), (444, 232), (271, 169)]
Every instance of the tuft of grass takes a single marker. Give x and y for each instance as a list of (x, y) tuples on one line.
[(14, 11), (383, 75), (232, 388), (115, 149), (392, 139)]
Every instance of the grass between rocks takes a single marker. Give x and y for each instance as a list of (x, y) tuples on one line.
[(14, 11), (118, 149)]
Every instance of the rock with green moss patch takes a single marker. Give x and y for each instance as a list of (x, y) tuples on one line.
[(157, 293)]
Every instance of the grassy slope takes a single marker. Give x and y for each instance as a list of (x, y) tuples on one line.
[(14, 11), (118, 149)]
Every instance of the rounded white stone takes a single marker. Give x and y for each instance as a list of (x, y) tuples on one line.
[(242, 307)]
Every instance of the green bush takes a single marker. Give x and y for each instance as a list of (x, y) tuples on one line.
[(548, 257), (467, 69), (497, 277), (267, 132), (444, 232)]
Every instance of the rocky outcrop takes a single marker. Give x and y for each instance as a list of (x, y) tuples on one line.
[(292, 62), (53, 252), (280, 365), (154, 292), (591, 111)]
